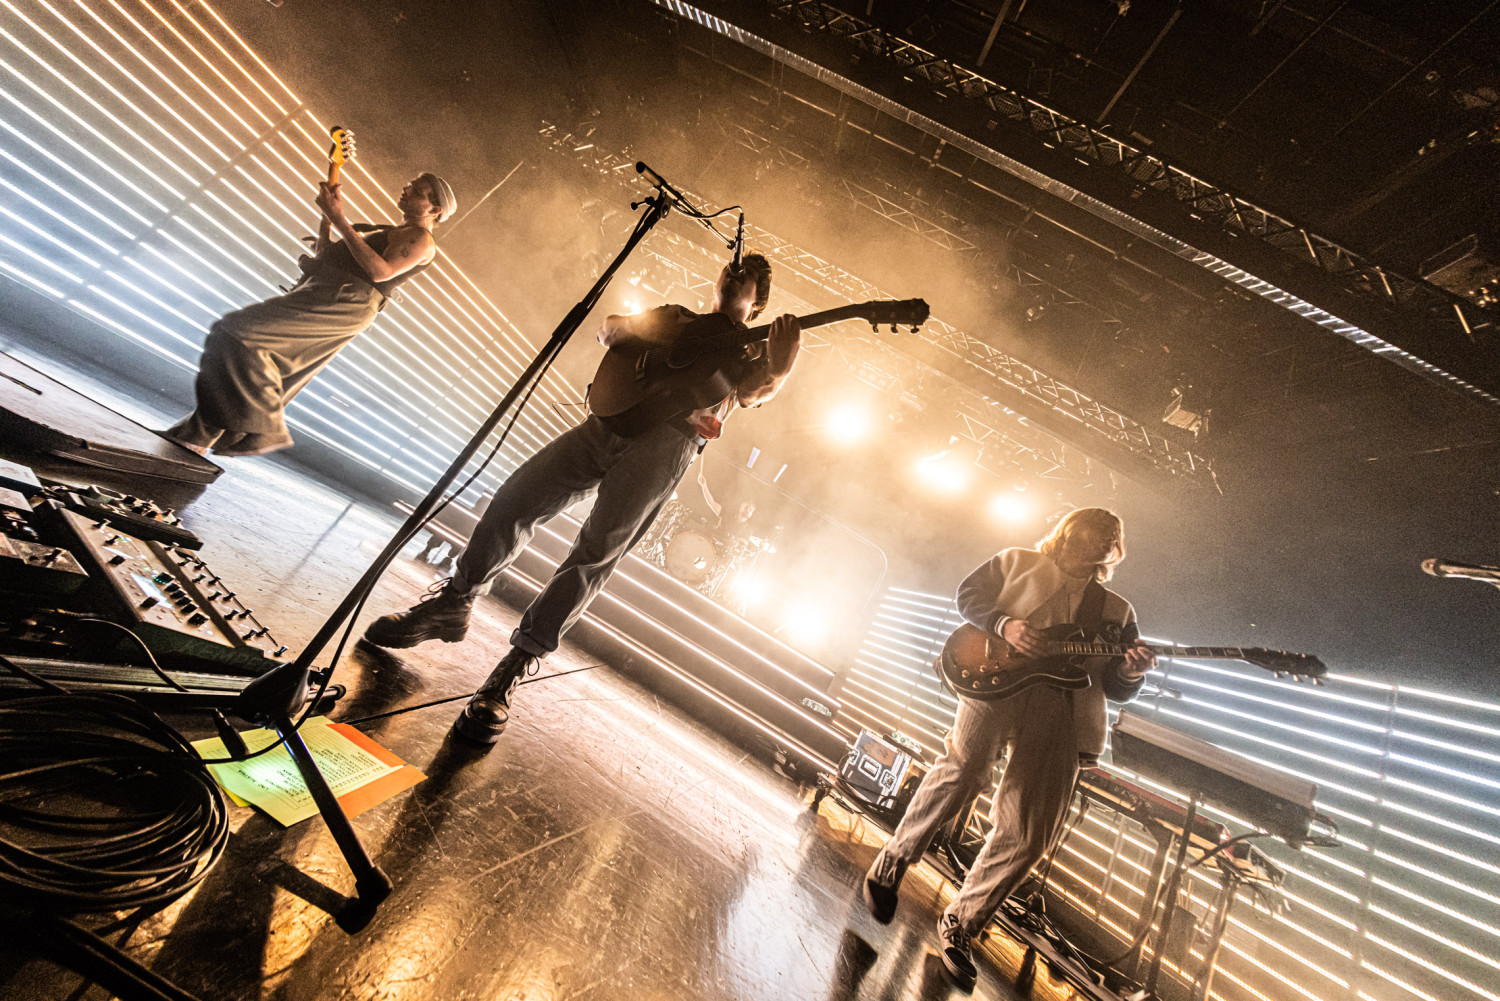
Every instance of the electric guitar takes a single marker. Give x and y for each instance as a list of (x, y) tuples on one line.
[(985, 667), (340, 151), (640, 384)]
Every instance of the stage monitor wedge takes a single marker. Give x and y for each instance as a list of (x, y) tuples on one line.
[(40, 414)]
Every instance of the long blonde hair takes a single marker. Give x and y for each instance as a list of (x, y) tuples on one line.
[(1089, 517)]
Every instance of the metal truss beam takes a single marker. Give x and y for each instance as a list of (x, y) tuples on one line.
[(1439, 336), (1010, 267), (907, 219), (1003, 383)]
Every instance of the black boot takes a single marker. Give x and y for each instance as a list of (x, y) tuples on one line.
[(880, 890), (485, 717), (442, 614)]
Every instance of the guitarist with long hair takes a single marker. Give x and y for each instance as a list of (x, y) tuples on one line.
[(633, 475), (1015, 595)]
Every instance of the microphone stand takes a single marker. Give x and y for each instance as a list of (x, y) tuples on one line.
[(274, 698)]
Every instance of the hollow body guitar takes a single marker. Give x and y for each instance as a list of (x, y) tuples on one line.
[(985, 667), (640, 384)]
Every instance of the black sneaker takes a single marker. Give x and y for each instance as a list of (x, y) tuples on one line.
[(956, 950), (881, 890), (486, 716), (442, 614)]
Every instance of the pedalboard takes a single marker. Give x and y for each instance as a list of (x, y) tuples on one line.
[(145, 519), (163, 592)]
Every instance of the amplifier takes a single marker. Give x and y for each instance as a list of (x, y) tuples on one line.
[(166, 594)]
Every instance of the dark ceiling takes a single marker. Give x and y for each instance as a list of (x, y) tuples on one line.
[(1375, 122)]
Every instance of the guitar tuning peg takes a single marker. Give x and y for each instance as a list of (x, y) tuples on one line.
[(916, 329), (875, 326)]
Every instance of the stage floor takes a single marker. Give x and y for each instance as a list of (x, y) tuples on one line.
[(609, 847)]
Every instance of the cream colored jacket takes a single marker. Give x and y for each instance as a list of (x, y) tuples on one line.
[(1024, 584)]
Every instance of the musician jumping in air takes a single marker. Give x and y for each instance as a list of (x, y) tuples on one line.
[(257, 358), (1015, 595), (633, 478)]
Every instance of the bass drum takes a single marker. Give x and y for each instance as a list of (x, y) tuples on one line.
[(691, 557)]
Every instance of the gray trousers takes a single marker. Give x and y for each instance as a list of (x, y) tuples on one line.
[(257, 358), (1030, 806), (633, 477)]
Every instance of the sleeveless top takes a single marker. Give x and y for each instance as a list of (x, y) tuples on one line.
[(339, 257)]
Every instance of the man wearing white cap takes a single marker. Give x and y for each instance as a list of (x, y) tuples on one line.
[(257, 358)]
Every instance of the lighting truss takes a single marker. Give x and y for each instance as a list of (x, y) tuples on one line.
[(1407, 907), (907, 219), (1010, 387), (1015, 267), (1416, 312)]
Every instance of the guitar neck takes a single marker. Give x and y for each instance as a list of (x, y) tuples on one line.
[(333, 172), (740, 338), (1081, 649)]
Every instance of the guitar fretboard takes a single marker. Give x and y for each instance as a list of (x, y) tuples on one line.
[(740, 338), (1117, 650)]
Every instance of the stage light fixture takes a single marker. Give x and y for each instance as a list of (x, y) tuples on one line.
[(848, 423), (804, 624), (944, 473), (1010, 507), (749, 588)]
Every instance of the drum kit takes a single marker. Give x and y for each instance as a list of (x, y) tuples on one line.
[(682, 544)]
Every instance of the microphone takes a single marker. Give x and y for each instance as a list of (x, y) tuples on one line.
[(1472, 571), (737, 266), (651, 175)]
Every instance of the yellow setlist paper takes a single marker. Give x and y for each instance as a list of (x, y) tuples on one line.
[(272, 781)]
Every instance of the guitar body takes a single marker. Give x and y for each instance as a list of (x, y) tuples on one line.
[(980, 666), (638, 385)]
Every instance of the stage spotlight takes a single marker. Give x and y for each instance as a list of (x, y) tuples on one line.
[(1011, 507), (848, 424), (749, 589), (804, 626), (632, 307), (944, 472)]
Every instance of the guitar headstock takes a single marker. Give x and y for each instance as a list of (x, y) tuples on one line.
[(1282, 662), (904, 312), (341, 150)]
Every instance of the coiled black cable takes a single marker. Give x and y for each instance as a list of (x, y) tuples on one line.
[(103, 805)]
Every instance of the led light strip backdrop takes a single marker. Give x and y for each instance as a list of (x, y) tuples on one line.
[(1407, 908), (155, 173)]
